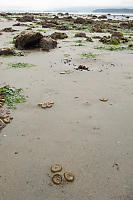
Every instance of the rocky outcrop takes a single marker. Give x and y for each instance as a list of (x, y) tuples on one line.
[(47, 43), (26, 18), (31, 39), (28, 40), (79, 20)]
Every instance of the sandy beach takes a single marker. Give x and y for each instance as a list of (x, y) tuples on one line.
[(91, 138)]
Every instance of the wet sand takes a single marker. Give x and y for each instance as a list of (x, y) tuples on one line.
[(93, 139)]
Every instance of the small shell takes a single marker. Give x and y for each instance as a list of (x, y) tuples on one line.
[(103, 100), (57, 179), (44, 105), (56, 168), (69, 176), (49, 105), (50, 102)]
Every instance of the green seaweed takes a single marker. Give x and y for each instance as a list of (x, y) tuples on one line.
[(20, 65), (12, 96)]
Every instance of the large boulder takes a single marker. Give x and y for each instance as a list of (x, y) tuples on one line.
[(58, 35), (28, 40), (47, 43), (7, 51)]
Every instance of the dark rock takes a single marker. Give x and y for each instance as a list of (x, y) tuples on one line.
[(26, 18), (19, 24), (82, 67), (89, 39), (58, 35), (7, 51), (28, 39), (8, 30), (80, 35), (79, 20), (62, 27), (102, 17), (47, 43), (117, 35)]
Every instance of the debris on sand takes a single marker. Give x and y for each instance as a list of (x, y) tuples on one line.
[(58, 35), (8, 97), (5, 117), (116, 165), (82, 67), (66, 72), (46, 105), (103, 100)]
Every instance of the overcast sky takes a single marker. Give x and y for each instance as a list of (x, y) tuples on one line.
[(52, 4)]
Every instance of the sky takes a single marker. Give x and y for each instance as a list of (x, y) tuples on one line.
[(55, 4)]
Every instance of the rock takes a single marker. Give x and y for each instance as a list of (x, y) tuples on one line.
[(47, 43), (8, 30), (96, 29), (79, 20), (89, 39), (130, 45), (26, 18), (7, 51), (109, 40), (102, 17), (82, 67), (3, 14), (117, 35), (28, 39), (80, 35), (58, 35), (19, 24), (62, 27)]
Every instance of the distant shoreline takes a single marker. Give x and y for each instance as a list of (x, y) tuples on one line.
[(75, 10), (113, 11)]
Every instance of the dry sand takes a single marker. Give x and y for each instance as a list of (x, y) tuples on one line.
[(93, 139)]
